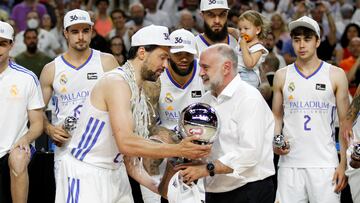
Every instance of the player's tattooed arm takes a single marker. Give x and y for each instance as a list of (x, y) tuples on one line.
[(354, 107)]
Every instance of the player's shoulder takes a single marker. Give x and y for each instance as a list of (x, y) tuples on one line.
[(108, 61)]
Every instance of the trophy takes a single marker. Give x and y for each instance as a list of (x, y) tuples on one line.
[(70, 123), (279, 142), (355, 157), (197, 119)]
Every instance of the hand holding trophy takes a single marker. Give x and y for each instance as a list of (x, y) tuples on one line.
[(355, 157), (198, 119)]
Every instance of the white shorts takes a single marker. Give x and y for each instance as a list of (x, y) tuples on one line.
[(303, 185), (79, 182)]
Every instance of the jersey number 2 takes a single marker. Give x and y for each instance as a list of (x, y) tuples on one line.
[(307, 120)]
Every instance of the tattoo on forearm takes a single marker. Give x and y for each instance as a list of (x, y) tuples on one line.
[(354, 108)]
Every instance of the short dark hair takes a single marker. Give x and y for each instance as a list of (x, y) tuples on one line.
[(98, 2), (307, 32), (30, 30), (133, 50), (117, 10)]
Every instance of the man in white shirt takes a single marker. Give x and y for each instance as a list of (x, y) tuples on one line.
[(241, 160), (21, 102)]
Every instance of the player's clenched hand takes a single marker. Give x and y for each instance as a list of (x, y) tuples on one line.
[(281, 150), (193, 151), (58, 134)]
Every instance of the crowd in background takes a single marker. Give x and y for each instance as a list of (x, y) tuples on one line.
[(116, 21)]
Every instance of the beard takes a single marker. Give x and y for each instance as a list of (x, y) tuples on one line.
[(215, 83), (32, 48), (148, 74), (216, 36), (179, 71)]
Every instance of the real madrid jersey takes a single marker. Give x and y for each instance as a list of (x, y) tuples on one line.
[(309, 113), (72, 86), (202, 44), (174, 97), (93, 141)]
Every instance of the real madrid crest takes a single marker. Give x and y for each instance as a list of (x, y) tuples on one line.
[(63, 79), (291, 87)]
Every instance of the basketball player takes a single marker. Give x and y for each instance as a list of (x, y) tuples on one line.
[(306, 95), (214, 14), (114, 123), (181, 86), (70, 77), (351, 134), (21, 102)]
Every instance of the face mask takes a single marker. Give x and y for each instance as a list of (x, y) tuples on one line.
[(33, 23), (269, 6)]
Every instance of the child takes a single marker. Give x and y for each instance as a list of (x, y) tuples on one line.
[(253, 28)]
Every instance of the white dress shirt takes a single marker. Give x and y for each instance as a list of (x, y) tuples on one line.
[(244, 141)]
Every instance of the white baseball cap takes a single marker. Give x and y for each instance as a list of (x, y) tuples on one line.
[(206, 5), (184, 38), (305, 22), (152, 35), (77, 16), (6, 30)]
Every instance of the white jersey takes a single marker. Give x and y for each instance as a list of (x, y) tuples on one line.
[(202, 44), (20, 91), (174, 97), (93, 141), (72, 86), (309, 113)]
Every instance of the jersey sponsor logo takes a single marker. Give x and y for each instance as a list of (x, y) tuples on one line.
[(196, 94), (309, 106), (92, 76), (291, 87), (73, 98), (320, 87), (14, 91), (63, 79), (172, 115)]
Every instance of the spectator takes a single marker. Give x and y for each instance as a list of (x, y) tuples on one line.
[(352, 30), (47, 43), (117, 48), (279, 29), (103, 23), (187, 21), (156, 16), (351, 65), (32, 58), (118, 18), (20, 11), (269, 44)]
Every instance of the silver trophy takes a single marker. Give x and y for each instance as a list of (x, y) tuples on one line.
[(199, 119), (70, 123), (279, 142), (355, 156)]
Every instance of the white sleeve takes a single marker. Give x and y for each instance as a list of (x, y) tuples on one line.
[(35, 98)]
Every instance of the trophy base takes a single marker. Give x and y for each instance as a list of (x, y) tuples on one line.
[(355, 161)]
